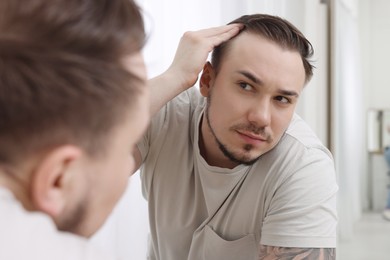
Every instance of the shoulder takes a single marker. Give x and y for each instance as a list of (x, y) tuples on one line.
[(299, 153), (303, 137), (177, 110), (299, 145), (19, 229), (180, 107), (190, 97)]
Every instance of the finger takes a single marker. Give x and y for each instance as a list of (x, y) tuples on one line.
[(220, 38), (215, 31)]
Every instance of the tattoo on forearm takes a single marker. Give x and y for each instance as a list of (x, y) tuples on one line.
[(288, 253)]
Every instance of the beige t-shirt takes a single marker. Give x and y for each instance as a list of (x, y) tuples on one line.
[(197, 211), (33, 236)]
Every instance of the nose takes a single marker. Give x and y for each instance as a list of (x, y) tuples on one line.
[(260, 113)]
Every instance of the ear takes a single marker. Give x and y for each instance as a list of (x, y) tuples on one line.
[(50, 177), (207, 79)]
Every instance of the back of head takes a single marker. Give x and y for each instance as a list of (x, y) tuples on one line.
[(275, 29), (62, 75)]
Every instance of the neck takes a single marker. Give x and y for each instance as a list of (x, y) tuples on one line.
[(17, 186), (209, 148)]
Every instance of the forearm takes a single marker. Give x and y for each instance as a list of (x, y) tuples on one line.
[(163, 88), (272, 252)]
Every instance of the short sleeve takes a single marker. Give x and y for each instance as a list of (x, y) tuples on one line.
[(302, 212)]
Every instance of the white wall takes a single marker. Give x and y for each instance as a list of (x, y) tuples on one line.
[(378, 40), (375, 39), (349, 114)]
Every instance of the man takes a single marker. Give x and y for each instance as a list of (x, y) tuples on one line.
[(72, 93), (233, 173)]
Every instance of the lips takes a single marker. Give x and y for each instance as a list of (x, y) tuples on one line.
[(252, 138), (257, 137)]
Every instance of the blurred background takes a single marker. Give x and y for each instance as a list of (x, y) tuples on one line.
[(347, 103)]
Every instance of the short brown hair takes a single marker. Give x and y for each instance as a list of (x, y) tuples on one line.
[(277, 30), (62, 74)]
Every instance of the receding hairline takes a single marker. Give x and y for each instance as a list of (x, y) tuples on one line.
[(229, 44), (277, 30)]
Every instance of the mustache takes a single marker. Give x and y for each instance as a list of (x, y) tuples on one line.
[(259, 131)]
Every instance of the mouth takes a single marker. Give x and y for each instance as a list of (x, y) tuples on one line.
[(251, 138)]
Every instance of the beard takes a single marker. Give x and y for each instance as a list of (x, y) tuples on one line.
[(74, 219), (245, 158)]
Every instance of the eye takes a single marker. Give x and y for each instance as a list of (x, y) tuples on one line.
[(245, 86), (283, 99)]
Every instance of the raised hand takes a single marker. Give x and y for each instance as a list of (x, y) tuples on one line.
[(190, 57), (193, 50)]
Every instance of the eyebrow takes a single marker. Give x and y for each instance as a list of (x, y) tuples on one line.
[(288, 93), (258, 81), (250, 76)]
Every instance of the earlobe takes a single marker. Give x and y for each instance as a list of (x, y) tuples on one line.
[(49, 179), (206, 79)]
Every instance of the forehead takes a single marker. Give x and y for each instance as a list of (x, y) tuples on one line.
[(253, 52)]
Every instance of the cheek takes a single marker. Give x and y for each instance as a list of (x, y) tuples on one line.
[(119, 173), (130, 165), (228, 108), (217, 117), (125, 167), (280, 121)]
